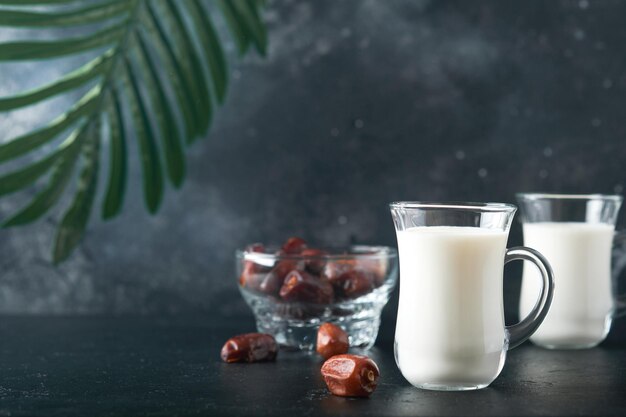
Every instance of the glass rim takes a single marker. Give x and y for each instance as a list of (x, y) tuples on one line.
[(489, 207), (373, 252), (575, 197)]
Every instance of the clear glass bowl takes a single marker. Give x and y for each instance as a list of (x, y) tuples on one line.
[(291, 305)]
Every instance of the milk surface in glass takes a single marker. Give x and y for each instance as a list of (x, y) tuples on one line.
[(450, 328), (580, 256)]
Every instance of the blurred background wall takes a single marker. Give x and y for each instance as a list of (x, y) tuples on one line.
[(357, 104)]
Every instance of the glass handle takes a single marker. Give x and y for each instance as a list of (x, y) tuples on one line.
[(619, 263), (518, 333)]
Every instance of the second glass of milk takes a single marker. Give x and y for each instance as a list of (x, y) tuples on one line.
[(575, 233), (450, 331)]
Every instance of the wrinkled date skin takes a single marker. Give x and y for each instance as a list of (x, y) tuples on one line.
[(271, 283), (350, 375), (304, 287), (250, 347), (331, 340), (353, 284)]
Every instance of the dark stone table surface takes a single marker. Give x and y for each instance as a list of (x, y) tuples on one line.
[(103, 366)]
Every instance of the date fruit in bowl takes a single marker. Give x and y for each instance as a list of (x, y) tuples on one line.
[(314, 260), (353, 283), (295, 286), (294, 246), (305, 287), (272, 282), (253, 273)]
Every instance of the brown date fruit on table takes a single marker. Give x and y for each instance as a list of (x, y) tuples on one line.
[(331, 340), (353, 284), (293, 246), (350, 375), (304, 287), (250, 347)]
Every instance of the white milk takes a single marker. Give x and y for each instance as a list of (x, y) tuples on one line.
[(450, 328), (580, 255)]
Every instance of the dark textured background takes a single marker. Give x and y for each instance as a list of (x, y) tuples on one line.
[(357, 104)]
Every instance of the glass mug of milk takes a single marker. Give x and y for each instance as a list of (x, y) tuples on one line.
[(575, 233), (450, 331)]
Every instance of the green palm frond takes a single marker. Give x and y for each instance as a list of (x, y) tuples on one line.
[(159, 72)]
